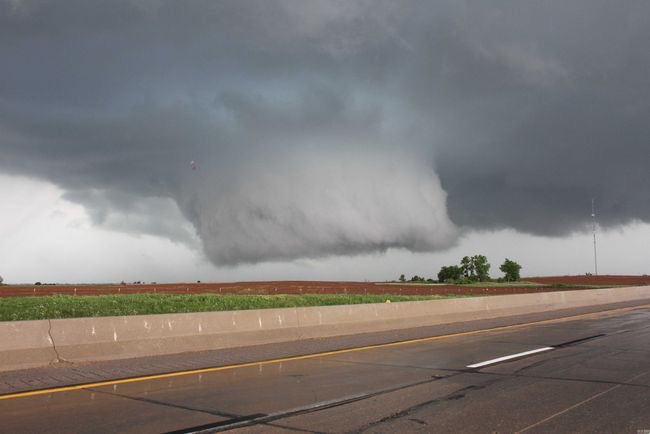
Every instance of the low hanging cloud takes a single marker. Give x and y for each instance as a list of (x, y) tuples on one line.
[(314, 204), (330, 128)]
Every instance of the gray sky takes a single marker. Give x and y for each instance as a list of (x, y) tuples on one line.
[(333, 139)]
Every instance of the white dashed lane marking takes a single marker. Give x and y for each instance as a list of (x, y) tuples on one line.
[(510, 357)]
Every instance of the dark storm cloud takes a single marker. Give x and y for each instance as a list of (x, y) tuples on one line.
[(328, 128), (545, 106)]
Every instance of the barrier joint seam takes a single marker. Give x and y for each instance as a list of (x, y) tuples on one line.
[(56, 351)]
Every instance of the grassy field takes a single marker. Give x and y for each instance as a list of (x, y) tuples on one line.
[(65, 306)]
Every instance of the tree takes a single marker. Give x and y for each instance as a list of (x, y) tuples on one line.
[(402, 278), (475, 268), (467, 267), (511, 270), (448, 273), (481, 267), (1, 280)]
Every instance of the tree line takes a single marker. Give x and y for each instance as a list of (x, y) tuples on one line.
[(472, 269)]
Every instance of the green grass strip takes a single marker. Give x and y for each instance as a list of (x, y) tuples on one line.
[(67, 306)]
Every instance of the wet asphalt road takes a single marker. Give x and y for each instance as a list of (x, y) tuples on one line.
[(595, 379)]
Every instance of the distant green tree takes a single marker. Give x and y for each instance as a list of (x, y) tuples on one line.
[(402, 278), (511, 270), (450, 273), (481, 268), (467, 267), (475, 268)]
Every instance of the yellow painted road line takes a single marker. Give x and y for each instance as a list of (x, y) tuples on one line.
[(288, 359)]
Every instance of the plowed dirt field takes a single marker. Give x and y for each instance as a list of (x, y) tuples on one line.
[(592, 280), (318, 287)]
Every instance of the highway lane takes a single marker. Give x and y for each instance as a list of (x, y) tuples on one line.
[(596, 378)]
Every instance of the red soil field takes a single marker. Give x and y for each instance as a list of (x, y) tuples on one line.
[(593, 280), (314, 287)]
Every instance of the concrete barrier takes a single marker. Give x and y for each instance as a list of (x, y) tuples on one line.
[(25, 344), (36, 343), (84, 339), (339, 320)]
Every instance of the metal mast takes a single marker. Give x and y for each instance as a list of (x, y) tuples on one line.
[(593, 219)]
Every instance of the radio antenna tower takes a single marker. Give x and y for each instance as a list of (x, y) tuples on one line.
[(593, 220)]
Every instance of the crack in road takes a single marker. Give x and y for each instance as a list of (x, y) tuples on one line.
[(579, 404), (167, 404), (323, 406), (452, 396)]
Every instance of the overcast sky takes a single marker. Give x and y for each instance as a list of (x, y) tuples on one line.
[(332, 139)]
